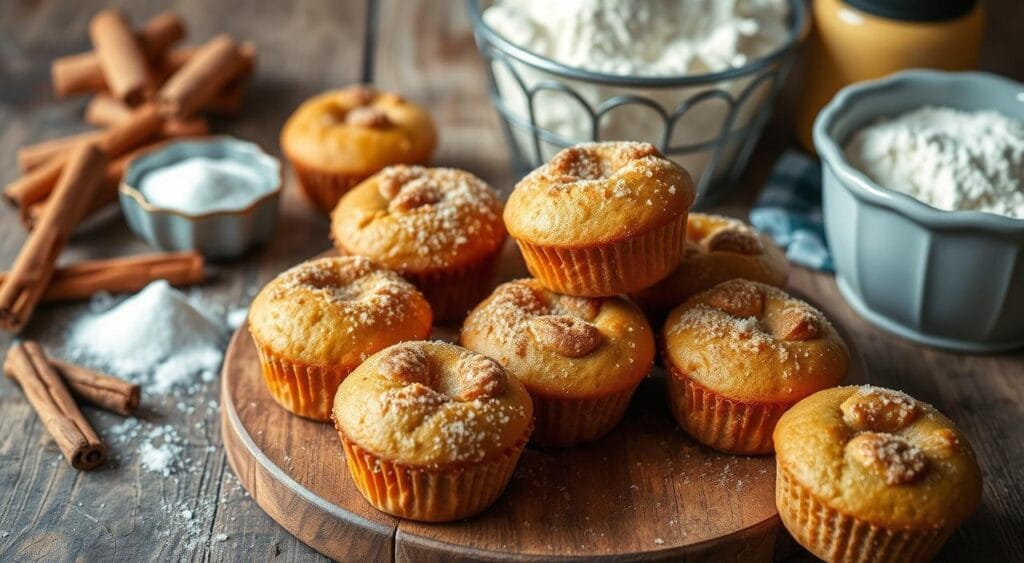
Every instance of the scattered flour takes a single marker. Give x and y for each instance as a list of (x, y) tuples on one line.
[(947, 158), (156, 337)]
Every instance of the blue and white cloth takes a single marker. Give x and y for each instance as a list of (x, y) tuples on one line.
[(789, 210)]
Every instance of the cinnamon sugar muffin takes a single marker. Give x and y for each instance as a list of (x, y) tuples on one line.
[(339, 138), (869, 474), (718, 249), (431, 431), (580, 358), (316, 322), (602, 219), (739, 355), (439, 227)]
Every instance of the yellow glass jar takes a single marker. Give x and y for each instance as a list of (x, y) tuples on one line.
[(856, 40)]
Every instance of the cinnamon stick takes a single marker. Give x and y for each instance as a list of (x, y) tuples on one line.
[(49, 396), (105, 195), (194, 126), (145, 123), (215, 64), (82, 72), (174, 59), (32, 156), (35, 264), (228, 102), (103, 110), (122, 275), (99, 389), (121, 57)]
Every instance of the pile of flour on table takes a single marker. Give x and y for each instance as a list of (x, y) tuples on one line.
[(156, 338), (947, 158), (169, 344)]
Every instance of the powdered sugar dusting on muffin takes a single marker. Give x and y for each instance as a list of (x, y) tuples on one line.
[(368, 294), (516, 312), (890, 456), (441, 209), (463, 393), (601, 165), (737, 322)]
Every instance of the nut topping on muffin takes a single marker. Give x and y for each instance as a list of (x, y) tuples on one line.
[(736, 238), (579, 358), (585, 308), (483, 378), (737, 299), (560, 323), (796, 323), (570, 336), (878, 410), (368, 116), (583, 162), (890, 456), (362, 94), (479, 377), (412, 195), (406, 364)]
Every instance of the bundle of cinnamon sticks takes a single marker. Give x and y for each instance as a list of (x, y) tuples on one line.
[(51, 387), (145, 92)]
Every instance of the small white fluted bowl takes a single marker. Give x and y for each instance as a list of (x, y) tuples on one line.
[(217, 235)]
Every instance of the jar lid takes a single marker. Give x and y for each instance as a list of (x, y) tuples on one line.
[(915, 10)]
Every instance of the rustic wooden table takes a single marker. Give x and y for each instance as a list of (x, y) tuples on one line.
[(50, 511)]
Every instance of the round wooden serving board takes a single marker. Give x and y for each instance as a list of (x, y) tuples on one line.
[(645, 491)]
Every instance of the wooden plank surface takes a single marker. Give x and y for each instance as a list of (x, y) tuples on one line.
[(49, 511)]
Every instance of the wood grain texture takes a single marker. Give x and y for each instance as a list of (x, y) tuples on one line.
[(426, 52)]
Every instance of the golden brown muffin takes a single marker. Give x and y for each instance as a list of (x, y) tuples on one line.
[(339, 138), (431, 431), (316, 322), (739, 355), (869, 474), (602, 219), (718, 249), (580, 358), (439, 227)]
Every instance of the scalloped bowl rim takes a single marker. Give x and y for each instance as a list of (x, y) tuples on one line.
[(864, 188), (129, 190)]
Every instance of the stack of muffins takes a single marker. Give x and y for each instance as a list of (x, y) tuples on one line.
[(433, 431)]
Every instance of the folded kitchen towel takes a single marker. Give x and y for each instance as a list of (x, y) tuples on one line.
[(789, 210)]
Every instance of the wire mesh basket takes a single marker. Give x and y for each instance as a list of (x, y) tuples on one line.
[(708, 123)]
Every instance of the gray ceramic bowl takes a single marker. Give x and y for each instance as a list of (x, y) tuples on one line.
[(218, 235), (953, 279)]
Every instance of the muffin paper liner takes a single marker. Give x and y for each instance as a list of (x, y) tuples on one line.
[(452, 293), (834, 536), (719, 422), (567, 422), (324, 189), (430, 494), (302, 389), (609, 269)]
